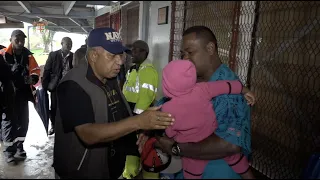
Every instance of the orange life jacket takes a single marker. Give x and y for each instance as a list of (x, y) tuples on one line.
[(33, 67)]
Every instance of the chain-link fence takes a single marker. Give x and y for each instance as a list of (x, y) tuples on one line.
[(274, 47)]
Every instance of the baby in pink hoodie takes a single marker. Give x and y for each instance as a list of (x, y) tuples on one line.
[(195, 118)]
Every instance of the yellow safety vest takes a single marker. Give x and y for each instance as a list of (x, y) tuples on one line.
[(141, 86)]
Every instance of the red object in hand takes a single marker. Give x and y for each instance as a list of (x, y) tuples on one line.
[(150, 158)]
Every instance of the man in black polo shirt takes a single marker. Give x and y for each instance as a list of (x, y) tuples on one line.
[(95, 129)]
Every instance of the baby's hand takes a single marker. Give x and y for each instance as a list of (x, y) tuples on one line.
[(250, 97)]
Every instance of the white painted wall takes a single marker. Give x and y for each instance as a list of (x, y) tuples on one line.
[(158, 38)]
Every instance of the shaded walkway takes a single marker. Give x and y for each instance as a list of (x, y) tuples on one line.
[(39, 150)]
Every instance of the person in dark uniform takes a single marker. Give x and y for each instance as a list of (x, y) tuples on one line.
[(25, 74), (58, 64), (6, 93), (1, 90), (95, 133)]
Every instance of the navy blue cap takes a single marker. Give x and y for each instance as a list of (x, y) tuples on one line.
[(107, 38)]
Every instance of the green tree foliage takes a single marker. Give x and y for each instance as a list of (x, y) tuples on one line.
[(47, 38)]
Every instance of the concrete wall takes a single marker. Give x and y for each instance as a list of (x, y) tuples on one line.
[(158, 37)]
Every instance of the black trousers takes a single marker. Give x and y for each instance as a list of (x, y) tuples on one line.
[(15, 123), (53, 107)]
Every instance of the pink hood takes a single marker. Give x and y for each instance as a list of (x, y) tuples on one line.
[(178, 78)]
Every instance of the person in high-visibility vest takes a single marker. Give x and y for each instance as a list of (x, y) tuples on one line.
[(140, 91), (142, 79)]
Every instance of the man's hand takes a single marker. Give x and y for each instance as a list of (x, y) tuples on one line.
[(165, 144), (32, 80), (153, 119), (250, 97), (16, 68)]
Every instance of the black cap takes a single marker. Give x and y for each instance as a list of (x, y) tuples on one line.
[(18, 32)]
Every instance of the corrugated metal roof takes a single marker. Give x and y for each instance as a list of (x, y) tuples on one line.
[(65, 16)]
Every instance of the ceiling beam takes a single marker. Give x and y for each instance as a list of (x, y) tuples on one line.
[(21, 19), (73, 14), (17, 18), (71, 26), (12, 25), (67, 6), (84, 3), (77, 23), (79, 31), (25, 5)]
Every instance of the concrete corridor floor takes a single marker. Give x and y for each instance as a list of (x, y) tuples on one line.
[(39, 150)]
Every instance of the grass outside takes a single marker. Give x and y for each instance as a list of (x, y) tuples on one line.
[(39, 56)]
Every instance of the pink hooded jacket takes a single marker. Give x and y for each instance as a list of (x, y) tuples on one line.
[(193, 111), (190, 101)]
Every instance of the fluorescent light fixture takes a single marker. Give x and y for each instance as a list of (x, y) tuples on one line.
[(114, 1), (3, 20)]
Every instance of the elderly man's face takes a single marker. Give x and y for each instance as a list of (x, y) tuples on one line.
[(108, 64), (66, 44), (18, 42), (194, 50)]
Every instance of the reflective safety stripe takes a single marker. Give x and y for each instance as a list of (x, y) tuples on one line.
[(84, 155), (132, 89), (137, 84), (142, 67), (6, 143), (20, 138), (137, 89), (149, 86), (138, 111)]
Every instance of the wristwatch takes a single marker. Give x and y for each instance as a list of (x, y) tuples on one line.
[(175, 149)]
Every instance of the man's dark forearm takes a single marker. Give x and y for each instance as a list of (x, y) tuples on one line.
[(211, 148)]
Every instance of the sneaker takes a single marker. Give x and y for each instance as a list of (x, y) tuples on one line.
[(21, 155), (10, 159)]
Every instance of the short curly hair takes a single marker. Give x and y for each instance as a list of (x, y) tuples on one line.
[(203, 33)]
